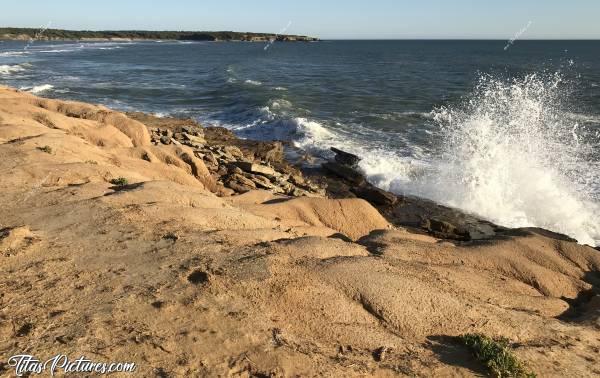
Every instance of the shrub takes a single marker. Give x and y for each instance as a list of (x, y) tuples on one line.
[(46, 149), (496, 355), (121, 181)]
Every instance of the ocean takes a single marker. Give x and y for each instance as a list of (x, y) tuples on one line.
[(508, 132)]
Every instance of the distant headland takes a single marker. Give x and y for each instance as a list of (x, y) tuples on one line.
[(23, 34)]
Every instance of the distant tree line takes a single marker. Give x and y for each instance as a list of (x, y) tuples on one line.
[(59, 34)]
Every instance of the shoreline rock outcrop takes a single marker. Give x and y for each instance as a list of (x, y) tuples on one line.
[(236, 165), (119, 247)]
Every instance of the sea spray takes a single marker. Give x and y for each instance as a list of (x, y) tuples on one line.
[(513, 155)]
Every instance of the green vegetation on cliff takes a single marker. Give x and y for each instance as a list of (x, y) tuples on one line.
[(59, 34)]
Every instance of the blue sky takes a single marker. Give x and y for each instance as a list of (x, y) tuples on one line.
[(374, 19)]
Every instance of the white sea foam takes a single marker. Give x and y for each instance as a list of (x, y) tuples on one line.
[(38, 88), (13, 53), (7, 69), (253, 82), (56, 51), (513, 156)]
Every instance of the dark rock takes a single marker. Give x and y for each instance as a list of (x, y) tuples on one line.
[(165, 139), (24, 330), (240, 183), (406, 211), (345, 172), (345, 158), (380, 353), (441, 221), (269, 151), (233, 169), (297, 180), (341, 236), (547, 233), (375, 196), (444, 229), (210, 158)]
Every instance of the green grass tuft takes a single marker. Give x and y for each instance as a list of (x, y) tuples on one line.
[(121, 181), (496, 355), (46, 149)]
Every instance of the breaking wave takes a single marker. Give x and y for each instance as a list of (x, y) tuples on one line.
[(7, 69), (512, 154), (38, 88)]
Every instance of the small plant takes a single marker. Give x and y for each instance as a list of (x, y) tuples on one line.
[(171, 236), (91, 162), (46, 149), (121, 181), (496, 356)]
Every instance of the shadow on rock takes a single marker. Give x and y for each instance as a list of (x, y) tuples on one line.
[(450, 351)]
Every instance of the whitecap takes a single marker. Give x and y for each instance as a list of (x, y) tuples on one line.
[(7, 69), (38, 88), (253, 82)]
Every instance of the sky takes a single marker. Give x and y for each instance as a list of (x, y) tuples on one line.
[(326, 19)]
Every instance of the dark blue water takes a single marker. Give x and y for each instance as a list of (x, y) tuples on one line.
[(421, 113)]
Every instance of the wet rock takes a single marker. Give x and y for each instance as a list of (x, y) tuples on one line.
[(444, 229), (345, 158), (345, 172), (375, 196), (440, 221)]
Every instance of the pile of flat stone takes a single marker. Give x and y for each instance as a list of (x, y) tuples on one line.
[(235, 170), (187, 135)]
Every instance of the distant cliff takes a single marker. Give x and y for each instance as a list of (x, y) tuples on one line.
[(117, 35)]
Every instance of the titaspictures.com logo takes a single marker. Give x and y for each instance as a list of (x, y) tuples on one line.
[(25, 364)]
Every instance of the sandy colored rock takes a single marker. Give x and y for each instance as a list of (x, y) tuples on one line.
[(164, 273)]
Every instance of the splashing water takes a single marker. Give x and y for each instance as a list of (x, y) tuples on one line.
[(514, 156)]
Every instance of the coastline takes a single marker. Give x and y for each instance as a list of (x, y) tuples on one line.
[(196, 252), (47, 34)]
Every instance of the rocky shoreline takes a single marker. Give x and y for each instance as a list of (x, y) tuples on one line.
[(241, 165), (191, 252)]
